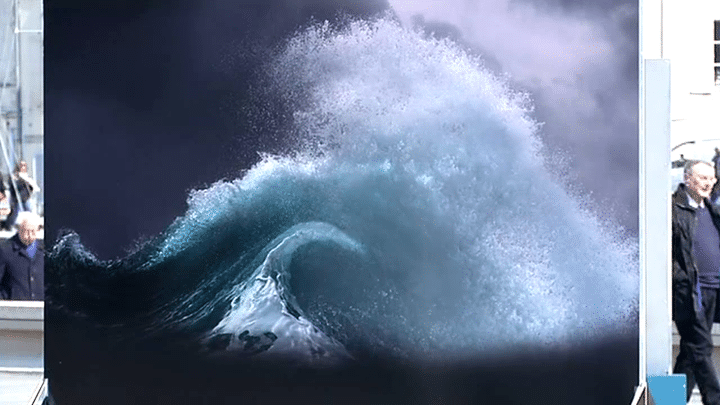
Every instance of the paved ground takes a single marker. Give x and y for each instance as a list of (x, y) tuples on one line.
[(18, 388), (695, 399)]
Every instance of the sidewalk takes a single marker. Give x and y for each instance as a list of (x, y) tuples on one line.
[(22, 387)]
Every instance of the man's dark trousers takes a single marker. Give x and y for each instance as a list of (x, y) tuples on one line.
[(696, 347)]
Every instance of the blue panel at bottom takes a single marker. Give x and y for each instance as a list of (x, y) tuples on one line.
[(668, 389)]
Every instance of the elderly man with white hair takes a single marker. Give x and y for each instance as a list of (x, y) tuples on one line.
[(22, 263)]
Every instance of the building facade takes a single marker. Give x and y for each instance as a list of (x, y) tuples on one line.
[(690, 40), (21, 90)]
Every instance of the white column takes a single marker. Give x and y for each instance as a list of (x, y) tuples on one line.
[(655, 290)]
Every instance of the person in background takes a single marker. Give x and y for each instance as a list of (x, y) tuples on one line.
[(696, 277), (679, 163), (19, 183), (715, 194), (26, 186), (9, 203), (5, 207), (22, 262)]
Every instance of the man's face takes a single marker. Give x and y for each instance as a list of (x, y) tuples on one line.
[(700, 181), (27, 232)]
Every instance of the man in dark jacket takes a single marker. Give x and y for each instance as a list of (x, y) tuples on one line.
[(696, 277), (22, 265)]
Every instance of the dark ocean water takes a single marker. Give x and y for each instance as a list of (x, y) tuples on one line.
[(412, 229)]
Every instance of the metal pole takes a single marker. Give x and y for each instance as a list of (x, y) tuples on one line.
[(655, 217), (19, 87)]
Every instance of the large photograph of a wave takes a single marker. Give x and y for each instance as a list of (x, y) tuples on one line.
[(408, 220)]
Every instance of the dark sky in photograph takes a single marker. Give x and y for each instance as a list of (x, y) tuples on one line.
[(147, 100)]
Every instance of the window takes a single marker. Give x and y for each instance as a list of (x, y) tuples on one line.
[(717, 53)]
